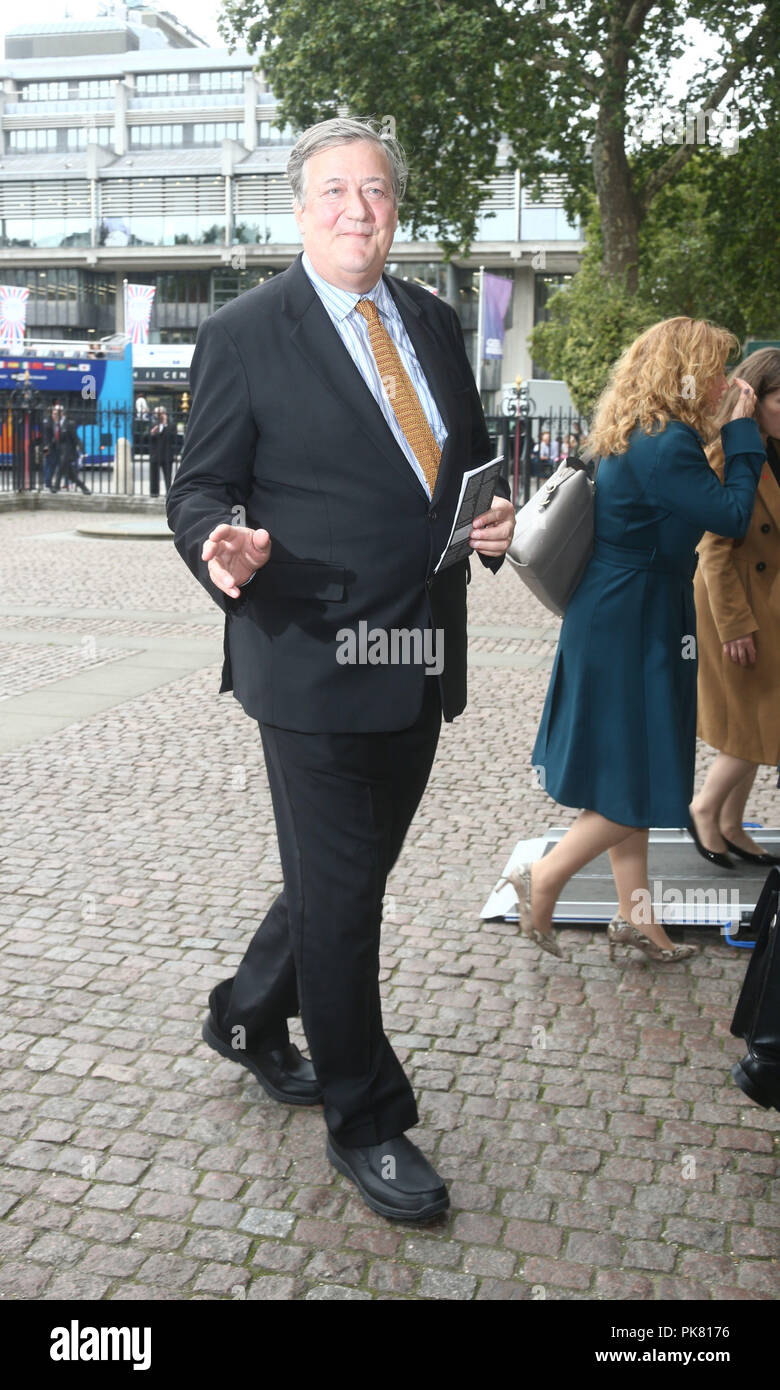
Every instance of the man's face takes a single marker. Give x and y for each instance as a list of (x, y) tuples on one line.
[(349, 220)]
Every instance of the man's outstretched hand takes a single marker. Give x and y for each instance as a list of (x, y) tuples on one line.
[(233, 553)]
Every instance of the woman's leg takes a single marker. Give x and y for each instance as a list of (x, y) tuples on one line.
[(724, 775), (629, 870), (732, 812), (589, 836)]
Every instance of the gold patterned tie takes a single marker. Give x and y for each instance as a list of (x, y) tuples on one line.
[(401, 393)]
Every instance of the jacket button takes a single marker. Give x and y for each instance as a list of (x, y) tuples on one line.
[(432, 516), (761, 566), (766, 528)]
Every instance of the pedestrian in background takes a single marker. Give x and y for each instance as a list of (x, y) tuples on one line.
[(62, 449), (162, 450), (737, 592), (618, 731)]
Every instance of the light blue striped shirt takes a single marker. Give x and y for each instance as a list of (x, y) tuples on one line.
[(353, 331)]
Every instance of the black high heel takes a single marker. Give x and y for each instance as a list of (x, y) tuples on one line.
[(712, 856), (752, 858)]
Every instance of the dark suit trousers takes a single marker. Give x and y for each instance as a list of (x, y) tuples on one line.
[(343, 804)]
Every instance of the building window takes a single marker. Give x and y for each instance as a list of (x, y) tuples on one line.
[(94, 87), (161, 83), (26, 141), (154, 136), (221, 81), (545, 286), (228, 284), (44, 91), (211, 132), (269, 134), (63, 138), (81, 136)]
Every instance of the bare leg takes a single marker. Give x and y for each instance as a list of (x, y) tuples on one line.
[(589, 836), (629, 870), (706, 808), (732, 812)]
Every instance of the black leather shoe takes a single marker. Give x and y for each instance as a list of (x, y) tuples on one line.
[(713, 856), (393, 1178), (747, 854), (759, 1080), (282, 1072)]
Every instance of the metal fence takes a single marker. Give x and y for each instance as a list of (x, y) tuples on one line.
[(110, 450), (103, 449), (533, 447)]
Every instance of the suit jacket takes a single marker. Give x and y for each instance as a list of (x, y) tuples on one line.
[(67, 450), (283, 426), (162, 445)]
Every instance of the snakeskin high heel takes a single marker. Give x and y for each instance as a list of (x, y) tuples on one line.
[(520, 880), (623, 933)]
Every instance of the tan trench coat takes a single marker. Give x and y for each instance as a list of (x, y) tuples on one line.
[(737, 591)]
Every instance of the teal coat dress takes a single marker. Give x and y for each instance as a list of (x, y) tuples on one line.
[(618, 729)]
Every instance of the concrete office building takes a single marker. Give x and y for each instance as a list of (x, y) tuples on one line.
[(129, 149)]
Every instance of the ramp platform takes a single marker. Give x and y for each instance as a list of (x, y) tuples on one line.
[(685, 890)]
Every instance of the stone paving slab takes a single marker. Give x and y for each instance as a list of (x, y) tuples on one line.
[(582, 1112)]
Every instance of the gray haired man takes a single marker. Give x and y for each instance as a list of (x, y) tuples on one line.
[(333, 415)]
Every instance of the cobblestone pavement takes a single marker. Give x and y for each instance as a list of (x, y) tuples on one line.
[(617, 1160)]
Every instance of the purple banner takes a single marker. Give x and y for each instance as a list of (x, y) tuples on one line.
[(497, 293)]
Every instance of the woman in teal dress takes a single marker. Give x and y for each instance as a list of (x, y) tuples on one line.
[(618, 730)]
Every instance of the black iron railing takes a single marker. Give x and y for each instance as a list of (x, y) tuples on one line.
[(111, 450)]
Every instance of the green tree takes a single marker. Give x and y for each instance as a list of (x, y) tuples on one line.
[(572, 90), (591, 320), (707, 249)]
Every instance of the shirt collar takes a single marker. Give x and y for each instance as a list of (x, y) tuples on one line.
[(342, 302)]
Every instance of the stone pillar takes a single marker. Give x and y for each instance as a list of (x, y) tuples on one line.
[(121, 96), (250, 112)]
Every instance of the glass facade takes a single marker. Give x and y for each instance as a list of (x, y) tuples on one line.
[(66, 302), (545, 287), (64, 91), (221, 81), (211, 132), (227, 284), (161, 82), (155, 135), (268, 134), (56, 229), (164, 83), (44, 91), (192, 133), (62, 138), (174, 229)]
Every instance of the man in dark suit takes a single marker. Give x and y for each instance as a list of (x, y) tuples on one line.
[(162, 450), (61, 448), (333, 415)]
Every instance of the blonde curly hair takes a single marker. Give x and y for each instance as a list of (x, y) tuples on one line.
[(664, 375)]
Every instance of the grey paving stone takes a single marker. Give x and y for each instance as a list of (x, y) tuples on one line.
[(135, 1164)]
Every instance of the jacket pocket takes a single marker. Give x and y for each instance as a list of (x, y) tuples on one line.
[(306, 579)]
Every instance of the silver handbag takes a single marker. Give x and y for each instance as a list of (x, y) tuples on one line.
[(553, 538)]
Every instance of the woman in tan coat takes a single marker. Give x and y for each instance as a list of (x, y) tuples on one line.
[(737, 593)]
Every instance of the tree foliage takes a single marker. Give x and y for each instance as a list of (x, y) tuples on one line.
[(565, 87), (707, 249)]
